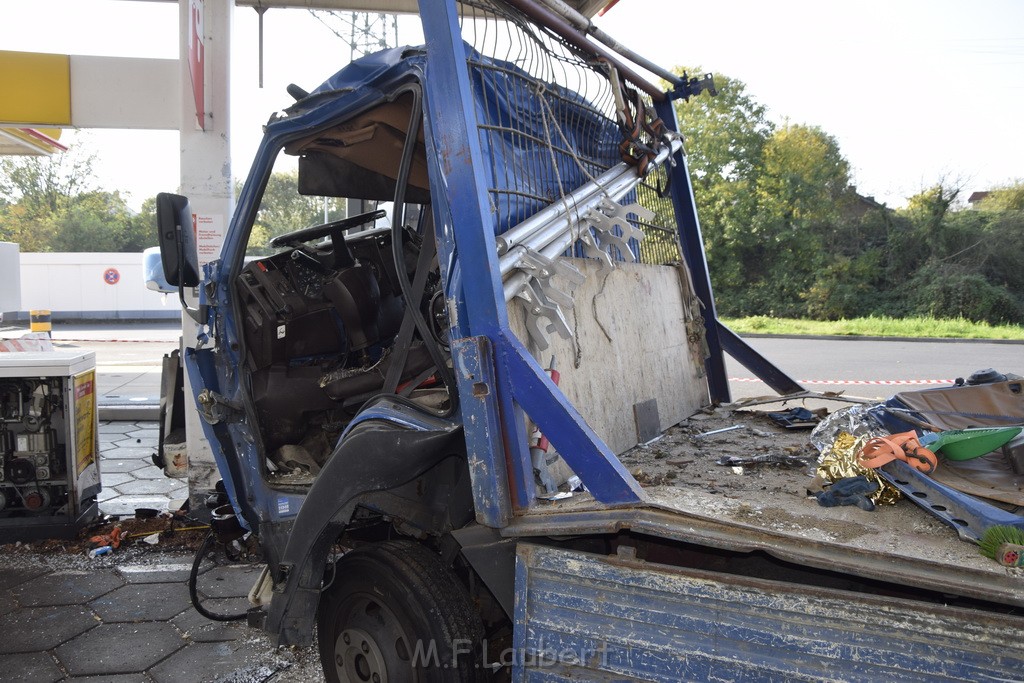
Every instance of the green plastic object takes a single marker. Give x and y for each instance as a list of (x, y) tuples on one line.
[(965, 444)]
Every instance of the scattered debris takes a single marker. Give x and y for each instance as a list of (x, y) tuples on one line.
[(719, 431), (849, 491), (795, 418), (176, 532), (767, 459)]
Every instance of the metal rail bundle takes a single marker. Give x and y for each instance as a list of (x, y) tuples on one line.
[(531, 252)]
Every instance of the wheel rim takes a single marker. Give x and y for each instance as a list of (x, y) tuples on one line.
[(372, 646)]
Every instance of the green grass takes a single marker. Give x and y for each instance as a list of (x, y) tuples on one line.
[(876, 327)]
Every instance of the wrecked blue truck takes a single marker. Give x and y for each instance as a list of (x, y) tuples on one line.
[(420, 409)]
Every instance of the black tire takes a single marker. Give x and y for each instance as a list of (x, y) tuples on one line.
[(396, 613)]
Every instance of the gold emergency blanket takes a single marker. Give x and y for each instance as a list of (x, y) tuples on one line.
[(840, 461)]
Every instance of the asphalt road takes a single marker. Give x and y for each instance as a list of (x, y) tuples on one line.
[(857, 366), (873, 368)]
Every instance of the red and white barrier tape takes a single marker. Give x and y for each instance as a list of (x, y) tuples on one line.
[(115, 341), (854, 381)]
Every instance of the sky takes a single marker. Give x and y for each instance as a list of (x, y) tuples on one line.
[(916, 91)]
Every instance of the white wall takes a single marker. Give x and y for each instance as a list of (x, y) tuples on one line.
[(72, 285), (10, 282)]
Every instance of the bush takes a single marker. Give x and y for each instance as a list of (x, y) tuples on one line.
[(964, 295), (844, 289)]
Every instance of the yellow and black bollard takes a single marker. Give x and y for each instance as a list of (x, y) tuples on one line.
[(40, 322)]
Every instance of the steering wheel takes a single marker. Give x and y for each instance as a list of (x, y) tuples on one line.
[(296, 237)]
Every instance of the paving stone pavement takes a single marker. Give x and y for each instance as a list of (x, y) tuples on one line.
[(130, 479), (127, 617)]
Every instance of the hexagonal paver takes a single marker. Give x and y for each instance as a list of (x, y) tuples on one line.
[(120, 678), (225, 606), (34, 667), (67, 588), (233, 581), (214, 661), (12, 577), (7, 602), (35, 629), (119, 648), (107, 493), (146, 486), (151, 433), (142, 602), (172, 569), (199, 629), (137, 442), (152, 472), (133, 452), (117, 428), (126, 505), (115, 478), (127, 465)]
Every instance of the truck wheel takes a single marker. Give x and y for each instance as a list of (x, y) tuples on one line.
[(396, 613)]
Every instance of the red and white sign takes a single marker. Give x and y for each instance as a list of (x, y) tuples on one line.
[(111, 276), (209, 231), (196, 59)]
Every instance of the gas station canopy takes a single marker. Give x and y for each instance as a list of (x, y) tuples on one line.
[(30, 141)]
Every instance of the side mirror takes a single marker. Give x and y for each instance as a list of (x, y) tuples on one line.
[(177, 240)]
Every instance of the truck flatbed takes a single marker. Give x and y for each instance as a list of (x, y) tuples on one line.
[(767, 508)]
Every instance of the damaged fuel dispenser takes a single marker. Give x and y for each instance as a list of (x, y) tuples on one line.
[(49, 449)]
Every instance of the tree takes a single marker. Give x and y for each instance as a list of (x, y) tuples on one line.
[(786, 234), (725, 137), (801, 187), (803, 176), (283, 209), (1009, 198), (50, 204), (963, 263), (768, 199), (44, 184), (725, 133), (102, 221)]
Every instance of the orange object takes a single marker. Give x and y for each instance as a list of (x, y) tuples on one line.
[(903, 446), (113, 539)]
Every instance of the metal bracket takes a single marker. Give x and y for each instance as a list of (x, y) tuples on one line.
[(539, 307), (592, 248), (690, 86), (610, 215), (541, 269), (541, 299), (969, 516), (597, 235), (215, 408)]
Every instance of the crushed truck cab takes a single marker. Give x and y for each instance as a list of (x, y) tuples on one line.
[(417, 404)]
